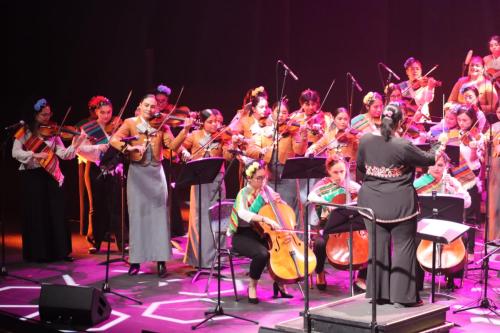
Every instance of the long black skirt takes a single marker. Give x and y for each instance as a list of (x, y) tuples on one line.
[(45, 235)]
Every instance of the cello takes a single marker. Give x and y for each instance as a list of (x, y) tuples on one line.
[(286, 258), (450, 258), (338, 245)]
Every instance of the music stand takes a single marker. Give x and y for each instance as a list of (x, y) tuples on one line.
[(446, 213), (427, 125), (304, 168), (198, 172)]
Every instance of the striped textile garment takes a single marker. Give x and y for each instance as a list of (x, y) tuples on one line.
[(51, 163), (426, 184), (94, 130)]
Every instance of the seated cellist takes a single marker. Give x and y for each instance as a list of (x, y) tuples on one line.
[(330, 219), (246, 241)]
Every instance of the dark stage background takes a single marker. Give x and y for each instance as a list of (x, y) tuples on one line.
[(68, 51)]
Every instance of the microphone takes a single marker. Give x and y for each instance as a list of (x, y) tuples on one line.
[(127, 139), (292, 74), (355, 82), (468, 57), (14, 126), (390, 71)]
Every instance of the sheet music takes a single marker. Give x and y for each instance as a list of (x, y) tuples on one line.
[(440, 231)]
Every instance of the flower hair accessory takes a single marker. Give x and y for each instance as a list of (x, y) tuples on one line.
[(258, 90), (387, 113), (163, 89), (98, 101), (251, 169), (40, 104), (370, 98)]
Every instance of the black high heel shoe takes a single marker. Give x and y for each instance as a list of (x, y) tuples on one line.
[(134, 269), (162, 269), (276, 289), (252, 300)]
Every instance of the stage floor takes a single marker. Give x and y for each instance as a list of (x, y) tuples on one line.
[(174, 304)]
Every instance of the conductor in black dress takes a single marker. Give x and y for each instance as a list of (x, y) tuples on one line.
[(388, 163)]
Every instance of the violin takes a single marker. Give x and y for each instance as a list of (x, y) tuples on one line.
[(347, 135), (113, 125), (424, 82), (223, 134), (178, 115), (288, 128), (158, 119), (471, 135), (65, 132), (286, 260)]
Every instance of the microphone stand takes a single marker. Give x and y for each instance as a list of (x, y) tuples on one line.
[(219, 311), (3, 271), (350, 97), (274, 156), (105, 286)]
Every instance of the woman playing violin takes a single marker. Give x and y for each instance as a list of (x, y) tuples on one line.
[(149, 234), (419, 89), (339, 140), (316, 121), (447, 124), (246, 241), (292, 141), (471, 100), (468, 170), (105, 188), (202, 143), (330, 219), (257, 120), (369, 121), (45, 234), (487, 94)]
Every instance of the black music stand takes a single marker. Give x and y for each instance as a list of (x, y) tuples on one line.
[(304, 168), (446, 210), (218, 310), (198, 172)]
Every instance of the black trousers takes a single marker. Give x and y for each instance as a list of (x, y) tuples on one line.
[(248, 243), (46, 237), (106, 213), (338, 221), (396, 281), (473, 217)]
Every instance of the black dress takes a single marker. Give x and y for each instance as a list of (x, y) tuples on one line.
[(388, 170)]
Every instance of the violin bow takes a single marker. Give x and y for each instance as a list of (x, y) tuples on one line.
[(175, 107), (120, 114), (60, 127)]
